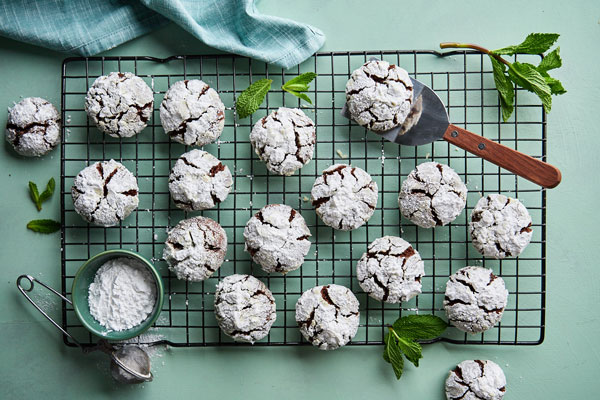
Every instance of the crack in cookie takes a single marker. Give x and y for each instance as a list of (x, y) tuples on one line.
[(199, 181), (284, 140), (33, 127), (244, 308), (475, 299), (195, 248), (328, 316), (500, 226), (379, 95), (192, 113), (276, 238), (105, 199), (390, 270), (344, 197)]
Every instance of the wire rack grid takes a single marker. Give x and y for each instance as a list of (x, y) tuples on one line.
[(464, 81)]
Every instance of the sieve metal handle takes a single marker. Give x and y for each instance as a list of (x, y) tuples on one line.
[(24, 291)]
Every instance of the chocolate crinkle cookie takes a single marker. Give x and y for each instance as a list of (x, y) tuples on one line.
[(33, 127), (105, 193), (390, 270), (277, 238), (432, 195), (192, 113), (344, 197), (120, 104), (476, 380), (195, 248), (500, 226), (328, 316), (244, 308), (284, 140), (475, 299), (199, 181), (379, 95)]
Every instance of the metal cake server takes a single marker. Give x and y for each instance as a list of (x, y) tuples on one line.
[(428, 121)]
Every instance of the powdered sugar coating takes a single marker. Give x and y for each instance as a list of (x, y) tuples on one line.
[(105, 193), (120, 104), (33, 127), (277, 238), (244, 308), (390, 270), (344, 197), (500, 226), (475, 299), (328, 316), (476, 380), (432, 195), (284, 140), (379, 95), (192, 113), (195, 248), (199, 181)]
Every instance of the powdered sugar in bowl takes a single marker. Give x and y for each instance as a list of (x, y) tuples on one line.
[(137, 287)]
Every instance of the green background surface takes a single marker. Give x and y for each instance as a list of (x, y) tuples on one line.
[(36, 364)]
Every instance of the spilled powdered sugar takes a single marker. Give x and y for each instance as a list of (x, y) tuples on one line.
[(122, 295)]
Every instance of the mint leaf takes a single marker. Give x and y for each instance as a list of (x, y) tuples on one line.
[(505, 88), (393, 355), (43, 225), (555, 86), (550, 61), (526, 76), (35, 196), (300, 84), (534, 43), (251, 98), (420, 327), (411, 349), (47, 193)]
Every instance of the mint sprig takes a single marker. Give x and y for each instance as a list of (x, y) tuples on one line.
[(38, 198), (403, 336), (533, 78), (299, 84), (43, 225), (251, 98)]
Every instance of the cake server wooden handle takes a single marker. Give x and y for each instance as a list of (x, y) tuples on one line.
[(518, 163)]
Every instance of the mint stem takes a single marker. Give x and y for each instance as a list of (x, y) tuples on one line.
[(454, 45)]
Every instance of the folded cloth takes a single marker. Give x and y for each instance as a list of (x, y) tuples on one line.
[(88, 27)]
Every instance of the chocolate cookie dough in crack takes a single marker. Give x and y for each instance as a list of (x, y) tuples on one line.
[(432, 195), (33, 127), (277, 238), (500, 226), (284, 140), (120, 104), (379, 95), (105, 193), (390, 270), (199, 181), (344, 197), (328, 316), (195, 248), (476, 380), (475, 299), (244, 308), (192, 113)]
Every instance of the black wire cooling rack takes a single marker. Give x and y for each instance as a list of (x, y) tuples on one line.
[(464, 81)]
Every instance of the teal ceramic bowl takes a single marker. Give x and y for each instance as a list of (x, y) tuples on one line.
[(83, 279)]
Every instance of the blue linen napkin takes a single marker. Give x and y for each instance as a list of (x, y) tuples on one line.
[(88, 27)]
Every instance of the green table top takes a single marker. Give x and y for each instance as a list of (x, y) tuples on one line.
[(36, 363)]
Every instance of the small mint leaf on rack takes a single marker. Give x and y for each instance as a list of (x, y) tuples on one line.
[(411, 349), (43, 225), (505, 88), (534, 43), (393, 355), (526, 76), (35, 195), (420, 327), (251, 98), (47, 193), (550, 61), (300, 84)]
